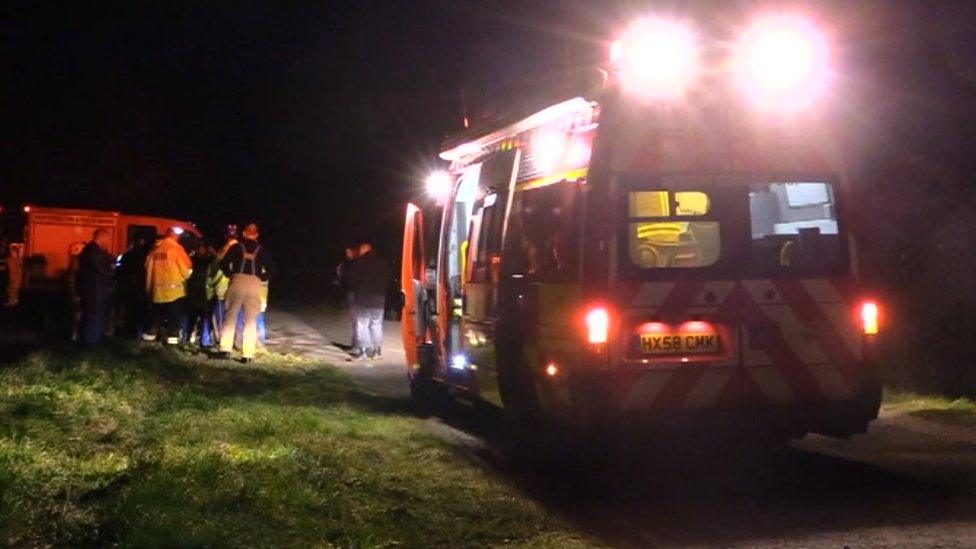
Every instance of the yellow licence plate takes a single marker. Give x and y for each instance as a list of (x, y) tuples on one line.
[(669, 344)]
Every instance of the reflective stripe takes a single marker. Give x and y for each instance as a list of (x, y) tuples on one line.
[(711, 384), (646, 390), (772, 383)]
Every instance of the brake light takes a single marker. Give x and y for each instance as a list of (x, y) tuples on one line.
[(869, 317), (597, 326)]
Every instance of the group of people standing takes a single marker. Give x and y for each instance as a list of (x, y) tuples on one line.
[(172, 296), (365, 278)]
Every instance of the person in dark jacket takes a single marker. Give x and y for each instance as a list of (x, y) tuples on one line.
[(248, 265), (367, 280), (95, 287), (198, 319), (342, 281), (130, 277)]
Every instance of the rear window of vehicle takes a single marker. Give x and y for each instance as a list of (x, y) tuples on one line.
[(729, 229), (666, 230), (794, 226)]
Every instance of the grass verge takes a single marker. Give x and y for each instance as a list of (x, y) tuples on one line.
[(136, 446), (949, 411)]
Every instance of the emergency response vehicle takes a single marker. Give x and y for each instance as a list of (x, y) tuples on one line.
[(53, 235), (677, 243)]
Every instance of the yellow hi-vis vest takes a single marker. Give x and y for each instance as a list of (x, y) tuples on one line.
[(217, 282)]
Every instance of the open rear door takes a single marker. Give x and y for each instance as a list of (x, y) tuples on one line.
[(412, 271)]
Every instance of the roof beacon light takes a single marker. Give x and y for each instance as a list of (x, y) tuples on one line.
[(782, 63), (656, 58)]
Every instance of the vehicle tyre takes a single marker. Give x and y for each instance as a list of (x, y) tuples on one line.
[(528, 437), (427, 394)]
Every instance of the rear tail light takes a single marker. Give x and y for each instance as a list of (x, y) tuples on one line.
[(597, 326), (869, 317)]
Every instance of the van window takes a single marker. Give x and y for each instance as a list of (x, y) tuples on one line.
[(146, 234), (543, 233), (663, 232), (485, 251), (794, 226)]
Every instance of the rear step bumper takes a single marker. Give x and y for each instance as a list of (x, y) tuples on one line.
[(594, 402)]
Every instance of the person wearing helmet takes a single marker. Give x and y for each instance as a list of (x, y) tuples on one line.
[(248, 265), (167, 269)]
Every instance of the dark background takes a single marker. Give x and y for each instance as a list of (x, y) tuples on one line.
[(320, 119)]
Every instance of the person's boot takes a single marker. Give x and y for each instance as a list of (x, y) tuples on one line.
[(357, 354), (220, 355), (245, 360), (378, 353)]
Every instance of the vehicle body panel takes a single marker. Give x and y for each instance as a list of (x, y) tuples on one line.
[(738, 337), (51, 233)]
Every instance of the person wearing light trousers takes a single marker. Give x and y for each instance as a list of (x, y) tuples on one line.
[(248, 265), (369, 277)]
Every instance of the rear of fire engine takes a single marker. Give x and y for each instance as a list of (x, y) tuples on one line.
[(675, 248)]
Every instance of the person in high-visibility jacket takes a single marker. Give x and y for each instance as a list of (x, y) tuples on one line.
[(167, 269), (249, 265)]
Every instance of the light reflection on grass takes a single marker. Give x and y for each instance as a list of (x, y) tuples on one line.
[(146, 446)]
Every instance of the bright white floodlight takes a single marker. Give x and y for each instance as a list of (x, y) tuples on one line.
[(782, 63), (439, 186), (656, 58), (548, 149)]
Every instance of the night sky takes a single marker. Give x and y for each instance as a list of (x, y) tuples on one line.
[(319, 119)]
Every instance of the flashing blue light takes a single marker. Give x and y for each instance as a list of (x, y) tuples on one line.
[(459, 362)]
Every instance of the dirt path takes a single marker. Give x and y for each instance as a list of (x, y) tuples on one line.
[(908, 482), (323, 336)]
